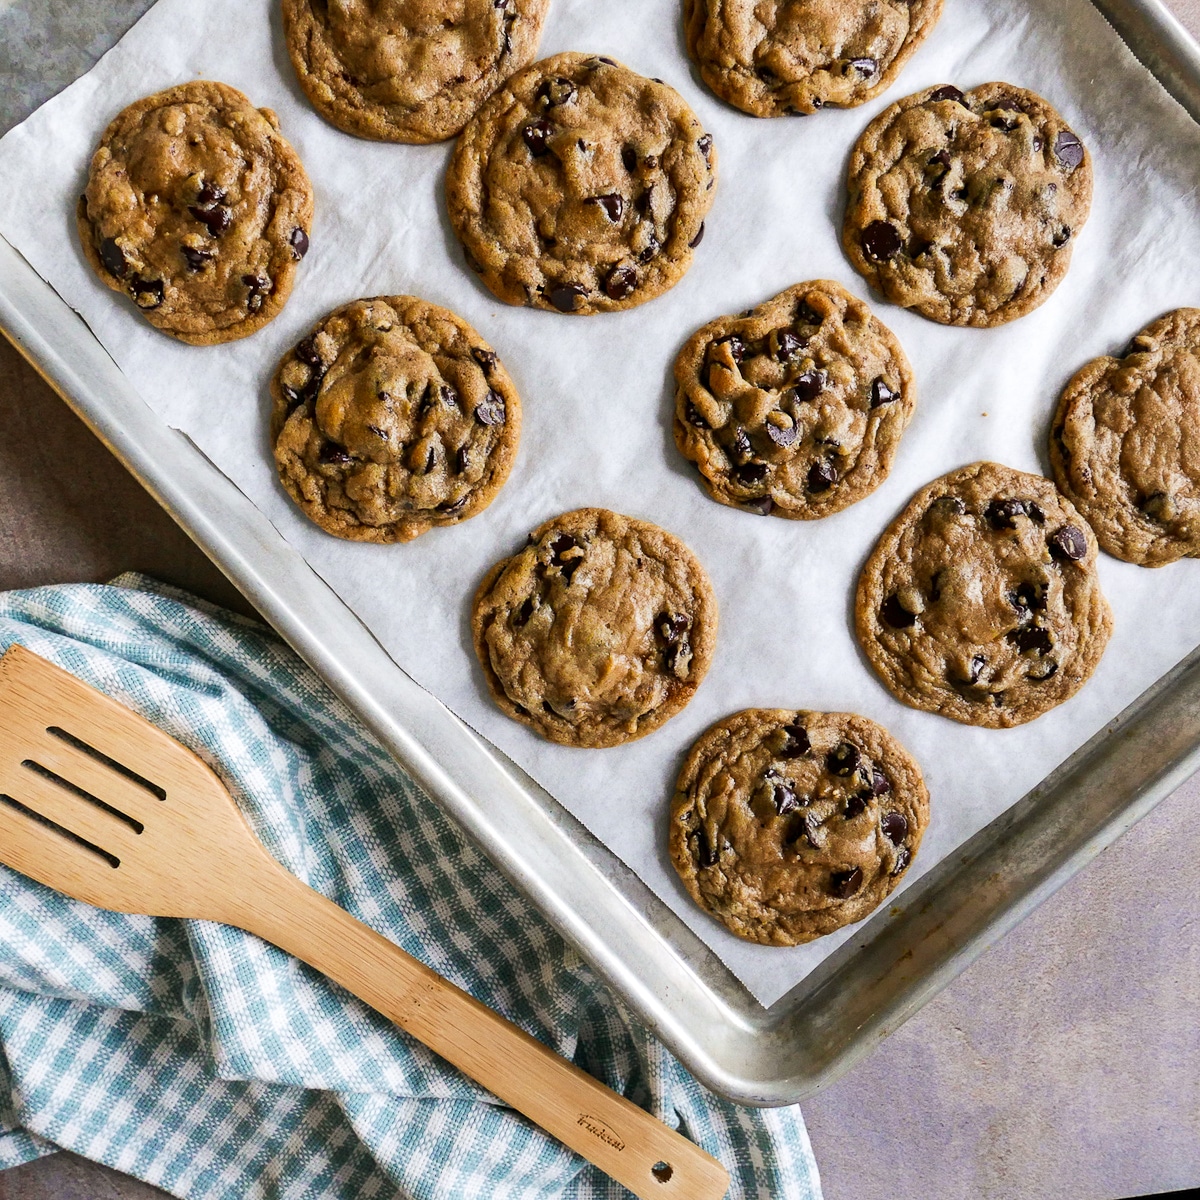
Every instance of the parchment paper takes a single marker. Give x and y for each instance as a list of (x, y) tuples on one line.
[(597, 391)]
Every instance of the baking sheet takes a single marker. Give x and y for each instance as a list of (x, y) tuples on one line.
[(597, 394)]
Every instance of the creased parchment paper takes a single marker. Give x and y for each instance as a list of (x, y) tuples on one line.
[(597, 390)]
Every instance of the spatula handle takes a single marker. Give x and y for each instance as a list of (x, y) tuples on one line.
[(623, 1140)]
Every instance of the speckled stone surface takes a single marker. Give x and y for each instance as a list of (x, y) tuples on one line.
[(1064, 1065)]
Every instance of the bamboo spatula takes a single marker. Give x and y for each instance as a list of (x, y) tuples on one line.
[(99, 804)]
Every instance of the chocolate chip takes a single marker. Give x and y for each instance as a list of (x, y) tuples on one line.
[(259, 286), (880, 783), (787, 344), (210, 194), (146, 293), (306, 352), (1069, 542), (881, 393), (430, 461), (1004, 124), (708, 856), (1068, 149), (671, 628), (821, 476), (566, 297), (855, 806), (1062, 236), (462, 459), (864, 66), (612, 204), (881, 241), (195, 259), (704, 142), (975, 668), (807, 315), (741, 443), (629, 157), (902, 860), (843, 759), (448, 396), (299, 243), (382, 434), (760, 504), (620, 283), (782, 435), (796, 743), (692, 413), (524, 613), (895, 827), (215, 219), (948, 92), (650, 162), (1029, 596), (1031, 639), (737, 348), (485, 358), (556, 91), (844, 884), (1042, 670), (784, 796), (561, 544), (896, 615), (607, 61), (490, 410), (750, 473), (1034, 512), (947, 506), (698, 238), (113, 258), (653, 246), (536, 136), (1003, 514), (331, 452), (809, 386)]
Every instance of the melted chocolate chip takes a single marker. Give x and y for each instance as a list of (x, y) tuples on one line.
[(894, 613), (566, 297), (866, 67), (1069, 543), (113, 258), (782, 435), (620, 283), (1033, 511), (215, 219), (760, 504), (737, 348), (448, 395), (783, 794), (462, 459), (704, 142), (629, 157), (555, 92), (306, 352), (947, 506), (146, 293), (881, 241), (1031, 639), (490, 410), (536, 135), (210, 194), (902, 860), (195, 259), (1003, 514), (844, 884), (1042, 670), (653, 246), (880, 783), (1068, 149), (612, 204), (382, 434), (671, 628), (796, 743), (750, 473), (259, 288), (787, 345), (821, 476), (521, 619), (948, 92), (881, 393), (1004, 124), (485, 358), (975, 669), (809, 386), (708, 856), (1029, 596), (698, 238), (331, 452), (806, 314), (692, 413), (855, 807), (894, 826), (299, 243), (843, 759)]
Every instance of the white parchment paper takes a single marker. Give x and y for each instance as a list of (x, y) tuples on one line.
[(597, 391)]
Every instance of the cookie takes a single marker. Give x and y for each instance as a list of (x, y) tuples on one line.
[(787, 825), (581, 187), (796, 407), (411, 72), (198, 210), (598, 631), (392, 417), (964, 206), (981, 601), (773, 57), (1125, 444)]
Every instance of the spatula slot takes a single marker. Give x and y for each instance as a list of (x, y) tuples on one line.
[(112, 860), (76, 790), (121, 769)]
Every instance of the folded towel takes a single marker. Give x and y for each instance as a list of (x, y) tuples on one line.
[(204, 1061)]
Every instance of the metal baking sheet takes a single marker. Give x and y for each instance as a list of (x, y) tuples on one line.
[(893, 963)]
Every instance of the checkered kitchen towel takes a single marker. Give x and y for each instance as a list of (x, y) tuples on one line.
[(213, 1065)]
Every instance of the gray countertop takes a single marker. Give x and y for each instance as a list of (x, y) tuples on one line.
[(1064, 1065)]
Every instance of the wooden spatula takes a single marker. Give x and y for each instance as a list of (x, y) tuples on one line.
[(99, 804)]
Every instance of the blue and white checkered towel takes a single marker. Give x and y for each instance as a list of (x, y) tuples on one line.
[(202, 1060)]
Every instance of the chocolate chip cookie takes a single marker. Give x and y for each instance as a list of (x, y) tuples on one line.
[(598, 631), (981, 601), (407, 71), (1125, 444), (777, 57), (581, 186), (964, 206), (393, 416), (788, 825), (198, 210), (795, 408)]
